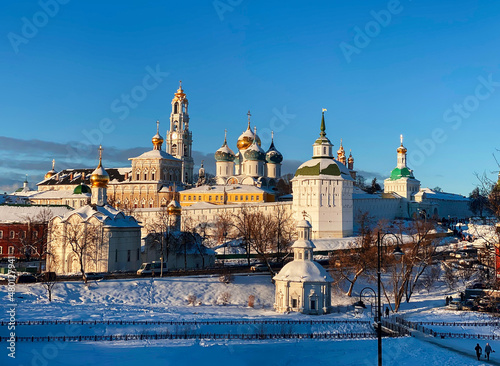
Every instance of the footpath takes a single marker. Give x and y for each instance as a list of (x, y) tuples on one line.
[(404, 327)]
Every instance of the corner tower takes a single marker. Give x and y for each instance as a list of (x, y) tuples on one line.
[(179, 137)]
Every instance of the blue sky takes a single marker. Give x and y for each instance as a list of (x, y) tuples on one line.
[(382, 68)]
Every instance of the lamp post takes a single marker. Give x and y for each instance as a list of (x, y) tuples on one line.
[(224, 234), (398, 253), (360, 304)]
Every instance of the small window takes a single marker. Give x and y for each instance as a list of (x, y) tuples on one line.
[(12, 234), (22, 234), (1, 250), (313, 304), (199, 198), (300, 255), (209, 198), (246, 198), (1, 234), (236, 198), (11, 250), (189, 198), (128, 255), (116, 255), (216, 198), (295, 303), (153, 176)]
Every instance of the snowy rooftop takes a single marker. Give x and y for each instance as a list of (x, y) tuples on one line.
[(14, 213), (302, 271), (431, 194), (108, 215), (156, 154)]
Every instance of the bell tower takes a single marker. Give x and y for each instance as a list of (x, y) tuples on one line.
[(179, 137)]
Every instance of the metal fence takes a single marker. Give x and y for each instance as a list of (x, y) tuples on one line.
[(182, 322), (206, 336)]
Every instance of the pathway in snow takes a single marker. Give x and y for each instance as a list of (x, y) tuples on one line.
[(432, 340)]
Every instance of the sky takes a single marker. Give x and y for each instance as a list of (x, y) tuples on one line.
[(76, 74)]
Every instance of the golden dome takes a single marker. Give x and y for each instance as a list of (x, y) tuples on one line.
[(99, 177), (52, 172), (402, 149), (247, 137), (174, 208), (157, 139)]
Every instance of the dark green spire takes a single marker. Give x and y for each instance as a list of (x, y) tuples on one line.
[(323, 133)]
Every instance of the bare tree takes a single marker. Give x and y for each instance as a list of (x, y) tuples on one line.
[(360, 257), (268, 235), (160, 236), (419, 247), (84, 239), (33, 242)]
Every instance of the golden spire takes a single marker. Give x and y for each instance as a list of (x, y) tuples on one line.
[(100, 157)]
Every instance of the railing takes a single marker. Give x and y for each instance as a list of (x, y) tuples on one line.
[(206, 336), (194, 322)]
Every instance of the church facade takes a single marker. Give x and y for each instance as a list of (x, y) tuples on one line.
[(151, 181)]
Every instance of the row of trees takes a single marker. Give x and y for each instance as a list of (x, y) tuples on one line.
[(402, 277)]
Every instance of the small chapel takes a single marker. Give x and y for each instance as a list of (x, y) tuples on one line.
[(303, 285)]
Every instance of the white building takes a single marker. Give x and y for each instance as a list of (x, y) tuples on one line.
[(303, 285), (102, 238), (322, 187)]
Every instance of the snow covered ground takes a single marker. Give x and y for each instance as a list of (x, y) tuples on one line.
[(166, 300)]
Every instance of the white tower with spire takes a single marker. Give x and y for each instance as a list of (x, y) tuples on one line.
[(402, 181), (322, 187), (179, 137)]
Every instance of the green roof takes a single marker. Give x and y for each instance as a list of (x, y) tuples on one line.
[(401, 173), (82, 188), (331, 169)]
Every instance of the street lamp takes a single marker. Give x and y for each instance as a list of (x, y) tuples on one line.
[(398, 253), (224, 234), (360, 305)]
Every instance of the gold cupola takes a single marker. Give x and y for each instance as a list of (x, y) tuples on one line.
[(179, 94), (157, 139), (341, 154), (247, 137), (52, 172), (402, 149), (99, 177)]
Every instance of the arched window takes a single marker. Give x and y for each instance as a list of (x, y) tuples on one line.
[(174, 149), (176, 108), (137, 175)]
